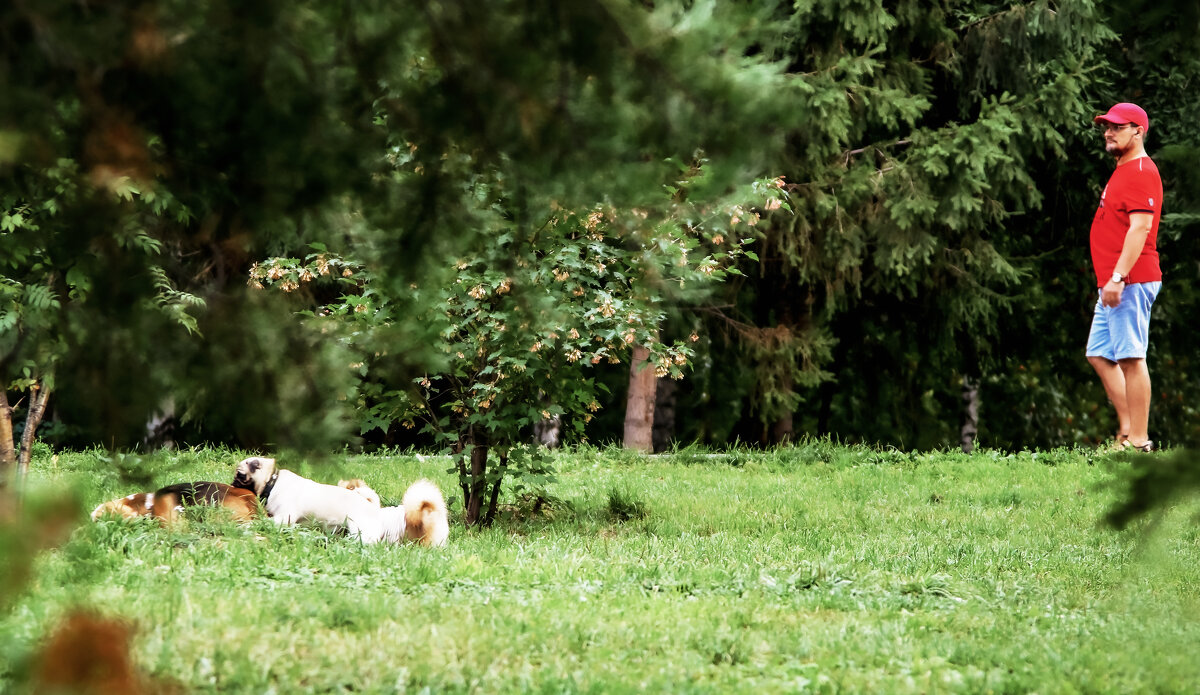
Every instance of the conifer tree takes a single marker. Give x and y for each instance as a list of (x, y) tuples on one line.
[(918, 187)]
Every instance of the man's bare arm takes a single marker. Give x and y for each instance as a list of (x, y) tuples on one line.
[(1135, 241)]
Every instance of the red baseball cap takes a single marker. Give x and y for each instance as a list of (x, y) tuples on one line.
[(1126, 113)]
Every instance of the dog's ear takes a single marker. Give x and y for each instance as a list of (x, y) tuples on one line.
[(255, 464)]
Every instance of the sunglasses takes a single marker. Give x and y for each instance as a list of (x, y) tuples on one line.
[(1107, 127)]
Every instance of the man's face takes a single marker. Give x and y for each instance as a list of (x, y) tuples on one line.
[(1119, 138)]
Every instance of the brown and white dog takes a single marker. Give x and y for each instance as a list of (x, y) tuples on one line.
[(421, 517), (128, 507), (425, 516), (290, 499), (166, 503)]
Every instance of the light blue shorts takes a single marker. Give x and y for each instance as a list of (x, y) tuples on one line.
[(1123, 331)]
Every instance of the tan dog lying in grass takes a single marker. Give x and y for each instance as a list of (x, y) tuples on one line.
[(360, 486), (290, 498), (166, 503)]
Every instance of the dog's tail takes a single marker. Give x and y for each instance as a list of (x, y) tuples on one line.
[(425, 519)]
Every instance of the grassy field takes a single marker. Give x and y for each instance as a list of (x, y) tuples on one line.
[(814, 569)]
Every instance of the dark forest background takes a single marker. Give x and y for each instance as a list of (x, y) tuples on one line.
[(927, 285)]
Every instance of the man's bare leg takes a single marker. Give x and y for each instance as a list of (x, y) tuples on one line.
[(1113, 377), (1137, 399)]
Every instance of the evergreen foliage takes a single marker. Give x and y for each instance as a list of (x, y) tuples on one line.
[(943, 186)]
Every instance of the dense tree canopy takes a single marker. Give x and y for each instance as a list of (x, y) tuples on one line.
[(279, 125), (939, 158)]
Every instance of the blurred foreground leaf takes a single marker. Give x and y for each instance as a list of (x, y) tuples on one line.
[(40, 519)]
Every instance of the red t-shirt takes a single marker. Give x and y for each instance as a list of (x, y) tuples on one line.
[(1133, 187)]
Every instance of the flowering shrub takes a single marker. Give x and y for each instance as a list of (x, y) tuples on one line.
[(526, 316)]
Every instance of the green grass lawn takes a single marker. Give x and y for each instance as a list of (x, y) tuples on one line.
[(819, 568)]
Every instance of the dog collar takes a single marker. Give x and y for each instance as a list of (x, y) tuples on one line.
[(268, 487)]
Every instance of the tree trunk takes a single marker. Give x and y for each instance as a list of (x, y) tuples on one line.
[(462, 471), (782, 429), (37, 408), (8, 453), (478, 483), (639, 405), (665, 397), (494, 502), (548, 432), (970, 426), (160, 428)]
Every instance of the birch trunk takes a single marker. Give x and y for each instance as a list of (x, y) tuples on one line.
[(8, 453), (37, 408)]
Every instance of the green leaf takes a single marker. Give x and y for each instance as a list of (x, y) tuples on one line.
[(123, 187)]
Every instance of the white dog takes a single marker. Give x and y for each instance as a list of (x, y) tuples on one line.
[(290, 498)]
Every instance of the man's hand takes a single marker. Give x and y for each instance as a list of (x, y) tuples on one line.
[(1111, 294)]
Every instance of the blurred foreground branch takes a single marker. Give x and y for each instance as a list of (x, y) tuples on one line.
[(1152, 483)]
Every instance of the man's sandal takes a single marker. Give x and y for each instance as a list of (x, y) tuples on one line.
[(1146, 446)]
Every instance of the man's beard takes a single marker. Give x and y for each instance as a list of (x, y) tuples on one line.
[(1116, 150)]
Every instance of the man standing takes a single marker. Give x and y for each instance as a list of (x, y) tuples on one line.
[(1125, 257)]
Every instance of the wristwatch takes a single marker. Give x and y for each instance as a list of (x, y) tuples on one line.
[(1117, 277)]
